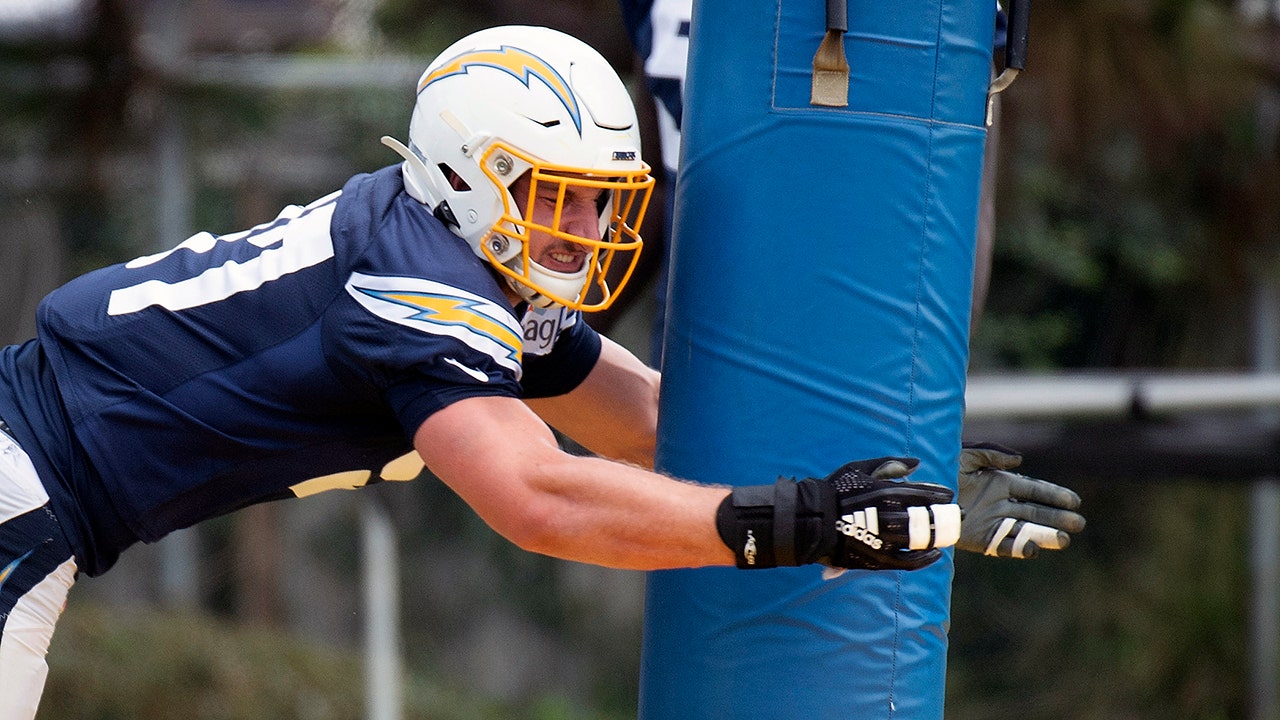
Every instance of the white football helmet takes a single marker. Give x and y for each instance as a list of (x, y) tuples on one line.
[(508, 101)]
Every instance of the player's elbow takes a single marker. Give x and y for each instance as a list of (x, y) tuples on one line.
[(537, 528)]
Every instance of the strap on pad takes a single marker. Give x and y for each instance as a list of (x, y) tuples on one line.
[(784, 522)]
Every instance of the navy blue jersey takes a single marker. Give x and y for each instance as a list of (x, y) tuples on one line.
[(241, 368)]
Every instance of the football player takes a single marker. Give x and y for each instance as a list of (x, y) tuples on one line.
[(430, 307)]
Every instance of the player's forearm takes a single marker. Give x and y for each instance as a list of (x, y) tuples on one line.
[(605, 513), (506, 465)]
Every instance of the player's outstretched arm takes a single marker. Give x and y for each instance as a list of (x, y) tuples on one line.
[(1010, 515), (504, 461)]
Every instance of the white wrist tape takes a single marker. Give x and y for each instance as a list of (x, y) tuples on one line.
[(935, 526)]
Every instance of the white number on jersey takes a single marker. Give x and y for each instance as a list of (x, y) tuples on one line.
[(302, 239)]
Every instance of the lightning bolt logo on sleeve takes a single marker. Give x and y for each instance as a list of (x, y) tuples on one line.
[(441, 309), (8, 570), (520, 64)]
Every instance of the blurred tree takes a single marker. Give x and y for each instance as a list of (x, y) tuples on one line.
[(1139, 197), (1133, 197), (1142, 618), (427, 27)]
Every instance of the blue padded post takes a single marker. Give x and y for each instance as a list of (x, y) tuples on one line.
[(819, 312)]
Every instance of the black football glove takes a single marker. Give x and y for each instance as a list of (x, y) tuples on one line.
[(861, 516), (886, 523)]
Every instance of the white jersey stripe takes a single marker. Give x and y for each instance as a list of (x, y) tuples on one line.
[(20, 487)]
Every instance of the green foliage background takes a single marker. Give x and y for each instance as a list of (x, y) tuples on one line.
[(128, 665)]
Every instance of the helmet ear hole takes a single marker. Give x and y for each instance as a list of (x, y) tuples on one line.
[(455, 180)]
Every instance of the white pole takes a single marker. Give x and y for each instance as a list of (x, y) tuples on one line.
[(1264, 608), (382, 612), (1264, 524), (179, 582)]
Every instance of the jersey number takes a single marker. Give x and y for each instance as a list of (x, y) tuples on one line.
[(301, 240)]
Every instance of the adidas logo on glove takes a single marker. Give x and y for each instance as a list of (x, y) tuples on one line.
[(862, 525)]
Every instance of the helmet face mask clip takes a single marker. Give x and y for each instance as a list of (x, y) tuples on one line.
[(514, 102)]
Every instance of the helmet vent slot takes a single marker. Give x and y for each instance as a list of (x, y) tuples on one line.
[(455, 180)]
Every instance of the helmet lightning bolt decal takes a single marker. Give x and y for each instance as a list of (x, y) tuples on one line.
[(448, 310), (521, 65)]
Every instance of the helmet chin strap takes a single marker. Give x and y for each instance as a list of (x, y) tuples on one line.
[(529, 295), (572, 285)]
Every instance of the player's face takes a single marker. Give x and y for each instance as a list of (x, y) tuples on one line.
[(580, 216)]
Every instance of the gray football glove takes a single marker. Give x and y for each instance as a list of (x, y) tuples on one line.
[(1007, 514)]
